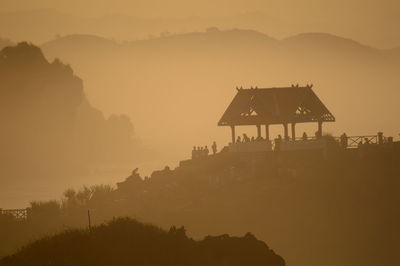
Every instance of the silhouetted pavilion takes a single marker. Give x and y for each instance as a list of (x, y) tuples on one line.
[(271, 106)]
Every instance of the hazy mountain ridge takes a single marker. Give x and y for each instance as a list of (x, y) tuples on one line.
[(42, 24), (219, 40)]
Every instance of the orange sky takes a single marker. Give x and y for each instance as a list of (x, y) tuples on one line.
[(310, 10)]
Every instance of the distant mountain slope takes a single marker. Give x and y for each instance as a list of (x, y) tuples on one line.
[(79, 47), (128, 242), (394, 54), (323, 39), (81, 40), (329, 45), (49, 126), (5, 42)]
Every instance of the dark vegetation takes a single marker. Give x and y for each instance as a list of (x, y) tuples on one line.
[(335, 210), (48, 125), (127, 242)]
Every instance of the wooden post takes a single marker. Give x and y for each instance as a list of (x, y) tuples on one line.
[(266, 132), (258, 131), (89, 221), (294, 131), (286, 133), (319, 129), (233, 134), (380, 140)]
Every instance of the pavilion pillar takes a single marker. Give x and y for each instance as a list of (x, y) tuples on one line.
[(286, 133), (267, 132), (319, 129), (294, 131), (258, 131), (233, 134)]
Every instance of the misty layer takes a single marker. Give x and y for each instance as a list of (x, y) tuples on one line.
[(48, 126), (177, 87)]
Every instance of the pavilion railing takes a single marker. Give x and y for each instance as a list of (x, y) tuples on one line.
[(352, 141)]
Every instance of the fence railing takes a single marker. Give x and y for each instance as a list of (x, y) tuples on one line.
[(355, 141), (21, 214), (352, 141)]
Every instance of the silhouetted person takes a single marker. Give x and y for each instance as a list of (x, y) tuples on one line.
[(245, 138), (366, 141), (135, 172), (238, 140), (278, 142), (252, 139), (194, 152), (134, 178), (206, 151), (344, 141), (304, 137), (380, 138), (214, 147), (360, 144), (318, 134)]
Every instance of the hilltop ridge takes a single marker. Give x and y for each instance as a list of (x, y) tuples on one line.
[(125, 241)]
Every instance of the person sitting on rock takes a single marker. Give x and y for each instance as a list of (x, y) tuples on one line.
[(304, 137)]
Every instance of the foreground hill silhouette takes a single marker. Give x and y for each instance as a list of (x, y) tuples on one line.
[(314, 210), (190, 78), (128, 242)]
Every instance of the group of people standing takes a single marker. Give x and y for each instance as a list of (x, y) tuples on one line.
[(203, 151), (245, 138)]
